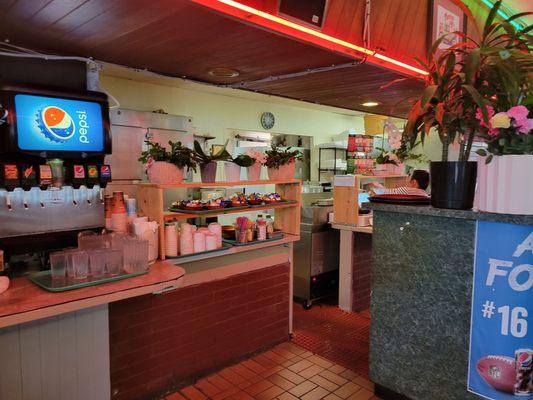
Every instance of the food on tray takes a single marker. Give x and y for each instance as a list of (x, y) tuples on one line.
[(255, 199), (272, 198), (194, 205), (215, 204), (237, 200)]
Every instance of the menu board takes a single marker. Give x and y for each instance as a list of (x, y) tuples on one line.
[(58, 124), (501, 339)]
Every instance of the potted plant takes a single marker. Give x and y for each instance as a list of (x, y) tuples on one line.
[(254, 170), (208, 162), (281, 163), (393, 162), (233, 167), (505, 168), (166, 166), (463, 79)]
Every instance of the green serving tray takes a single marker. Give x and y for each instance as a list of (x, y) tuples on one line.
[(44, 280), (273, 204), (235, 243), (225, 246)]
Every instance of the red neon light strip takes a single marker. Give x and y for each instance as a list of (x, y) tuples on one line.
[(303, 32)]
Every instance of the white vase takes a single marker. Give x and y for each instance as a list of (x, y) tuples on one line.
[(233, 172), (162, 172), (505, 185)]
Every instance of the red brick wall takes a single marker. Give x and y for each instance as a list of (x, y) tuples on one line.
[(163, 341), (362, 271)]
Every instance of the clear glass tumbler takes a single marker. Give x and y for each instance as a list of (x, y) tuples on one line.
[(58, 264), (114, 262), (80, 264), (135, 255), (97, 260)]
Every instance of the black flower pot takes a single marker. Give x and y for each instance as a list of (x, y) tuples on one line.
[(453, 184)]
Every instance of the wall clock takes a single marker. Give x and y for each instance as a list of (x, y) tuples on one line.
[(267, 120)]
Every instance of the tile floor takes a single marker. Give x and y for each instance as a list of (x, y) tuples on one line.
[(286, 372), (339, 336)]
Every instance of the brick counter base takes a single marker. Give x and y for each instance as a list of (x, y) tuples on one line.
[(158, 342)]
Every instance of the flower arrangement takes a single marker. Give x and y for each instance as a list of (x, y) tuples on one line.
[(179, 155), (506, 132), (401, 147), (257, 156), (276, 158)]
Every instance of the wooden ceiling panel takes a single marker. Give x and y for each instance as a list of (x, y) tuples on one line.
[(349, 88), (180, 38)]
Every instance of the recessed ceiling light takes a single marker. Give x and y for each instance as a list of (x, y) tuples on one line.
[(370, 104), (223, 72)]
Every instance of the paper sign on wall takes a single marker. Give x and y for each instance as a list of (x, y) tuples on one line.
[(501, 339)]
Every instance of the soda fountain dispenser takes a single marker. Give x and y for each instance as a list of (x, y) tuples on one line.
[(52, 171)]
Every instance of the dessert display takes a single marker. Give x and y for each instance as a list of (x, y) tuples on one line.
[(237, 200)]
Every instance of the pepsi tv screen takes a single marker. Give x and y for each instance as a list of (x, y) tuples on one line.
[(56, 124)]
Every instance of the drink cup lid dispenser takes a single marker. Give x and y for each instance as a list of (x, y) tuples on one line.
[(52, 168)]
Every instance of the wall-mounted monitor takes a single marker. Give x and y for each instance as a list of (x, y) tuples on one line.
[(51, 123)]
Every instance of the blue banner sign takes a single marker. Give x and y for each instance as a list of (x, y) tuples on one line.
[(54, 124), (501, 339)]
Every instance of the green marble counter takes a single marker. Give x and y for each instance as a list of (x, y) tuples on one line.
[(422, 265)]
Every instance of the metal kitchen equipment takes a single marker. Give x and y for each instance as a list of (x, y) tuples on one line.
[(316, 254)]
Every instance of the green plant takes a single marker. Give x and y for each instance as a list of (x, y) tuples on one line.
[(203, 158), (468, 77), (178, 155), (181, 156), (275, 157), (244, 160)]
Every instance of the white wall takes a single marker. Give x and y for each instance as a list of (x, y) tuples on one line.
[(218, 111)]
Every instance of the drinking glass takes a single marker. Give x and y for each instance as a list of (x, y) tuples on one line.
[(80, 264), (114, 262), (91, 242), (97, 260), (135, 255), (58, 264)]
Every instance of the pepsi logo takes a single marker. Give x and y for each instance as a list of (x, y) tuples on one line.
[(56, 124), (525, 359)]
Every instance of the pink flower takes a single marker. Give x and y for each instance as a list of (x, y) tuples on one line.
[(525, 126), (519, 113), (479, 115)]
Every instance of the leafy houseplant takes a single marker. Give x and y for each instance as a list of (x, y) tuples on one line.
[(166, 166), (465, 78), (281, 163), (244, 160), (208, 161)]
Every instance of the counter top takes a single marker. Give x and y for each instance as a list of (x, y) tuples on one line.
[(25, 301), (442, 212)]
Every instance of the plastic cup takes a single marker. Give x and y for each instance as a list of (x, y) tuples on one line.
[(97, 260), (80, 264), (114, 262), (58, 264)]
